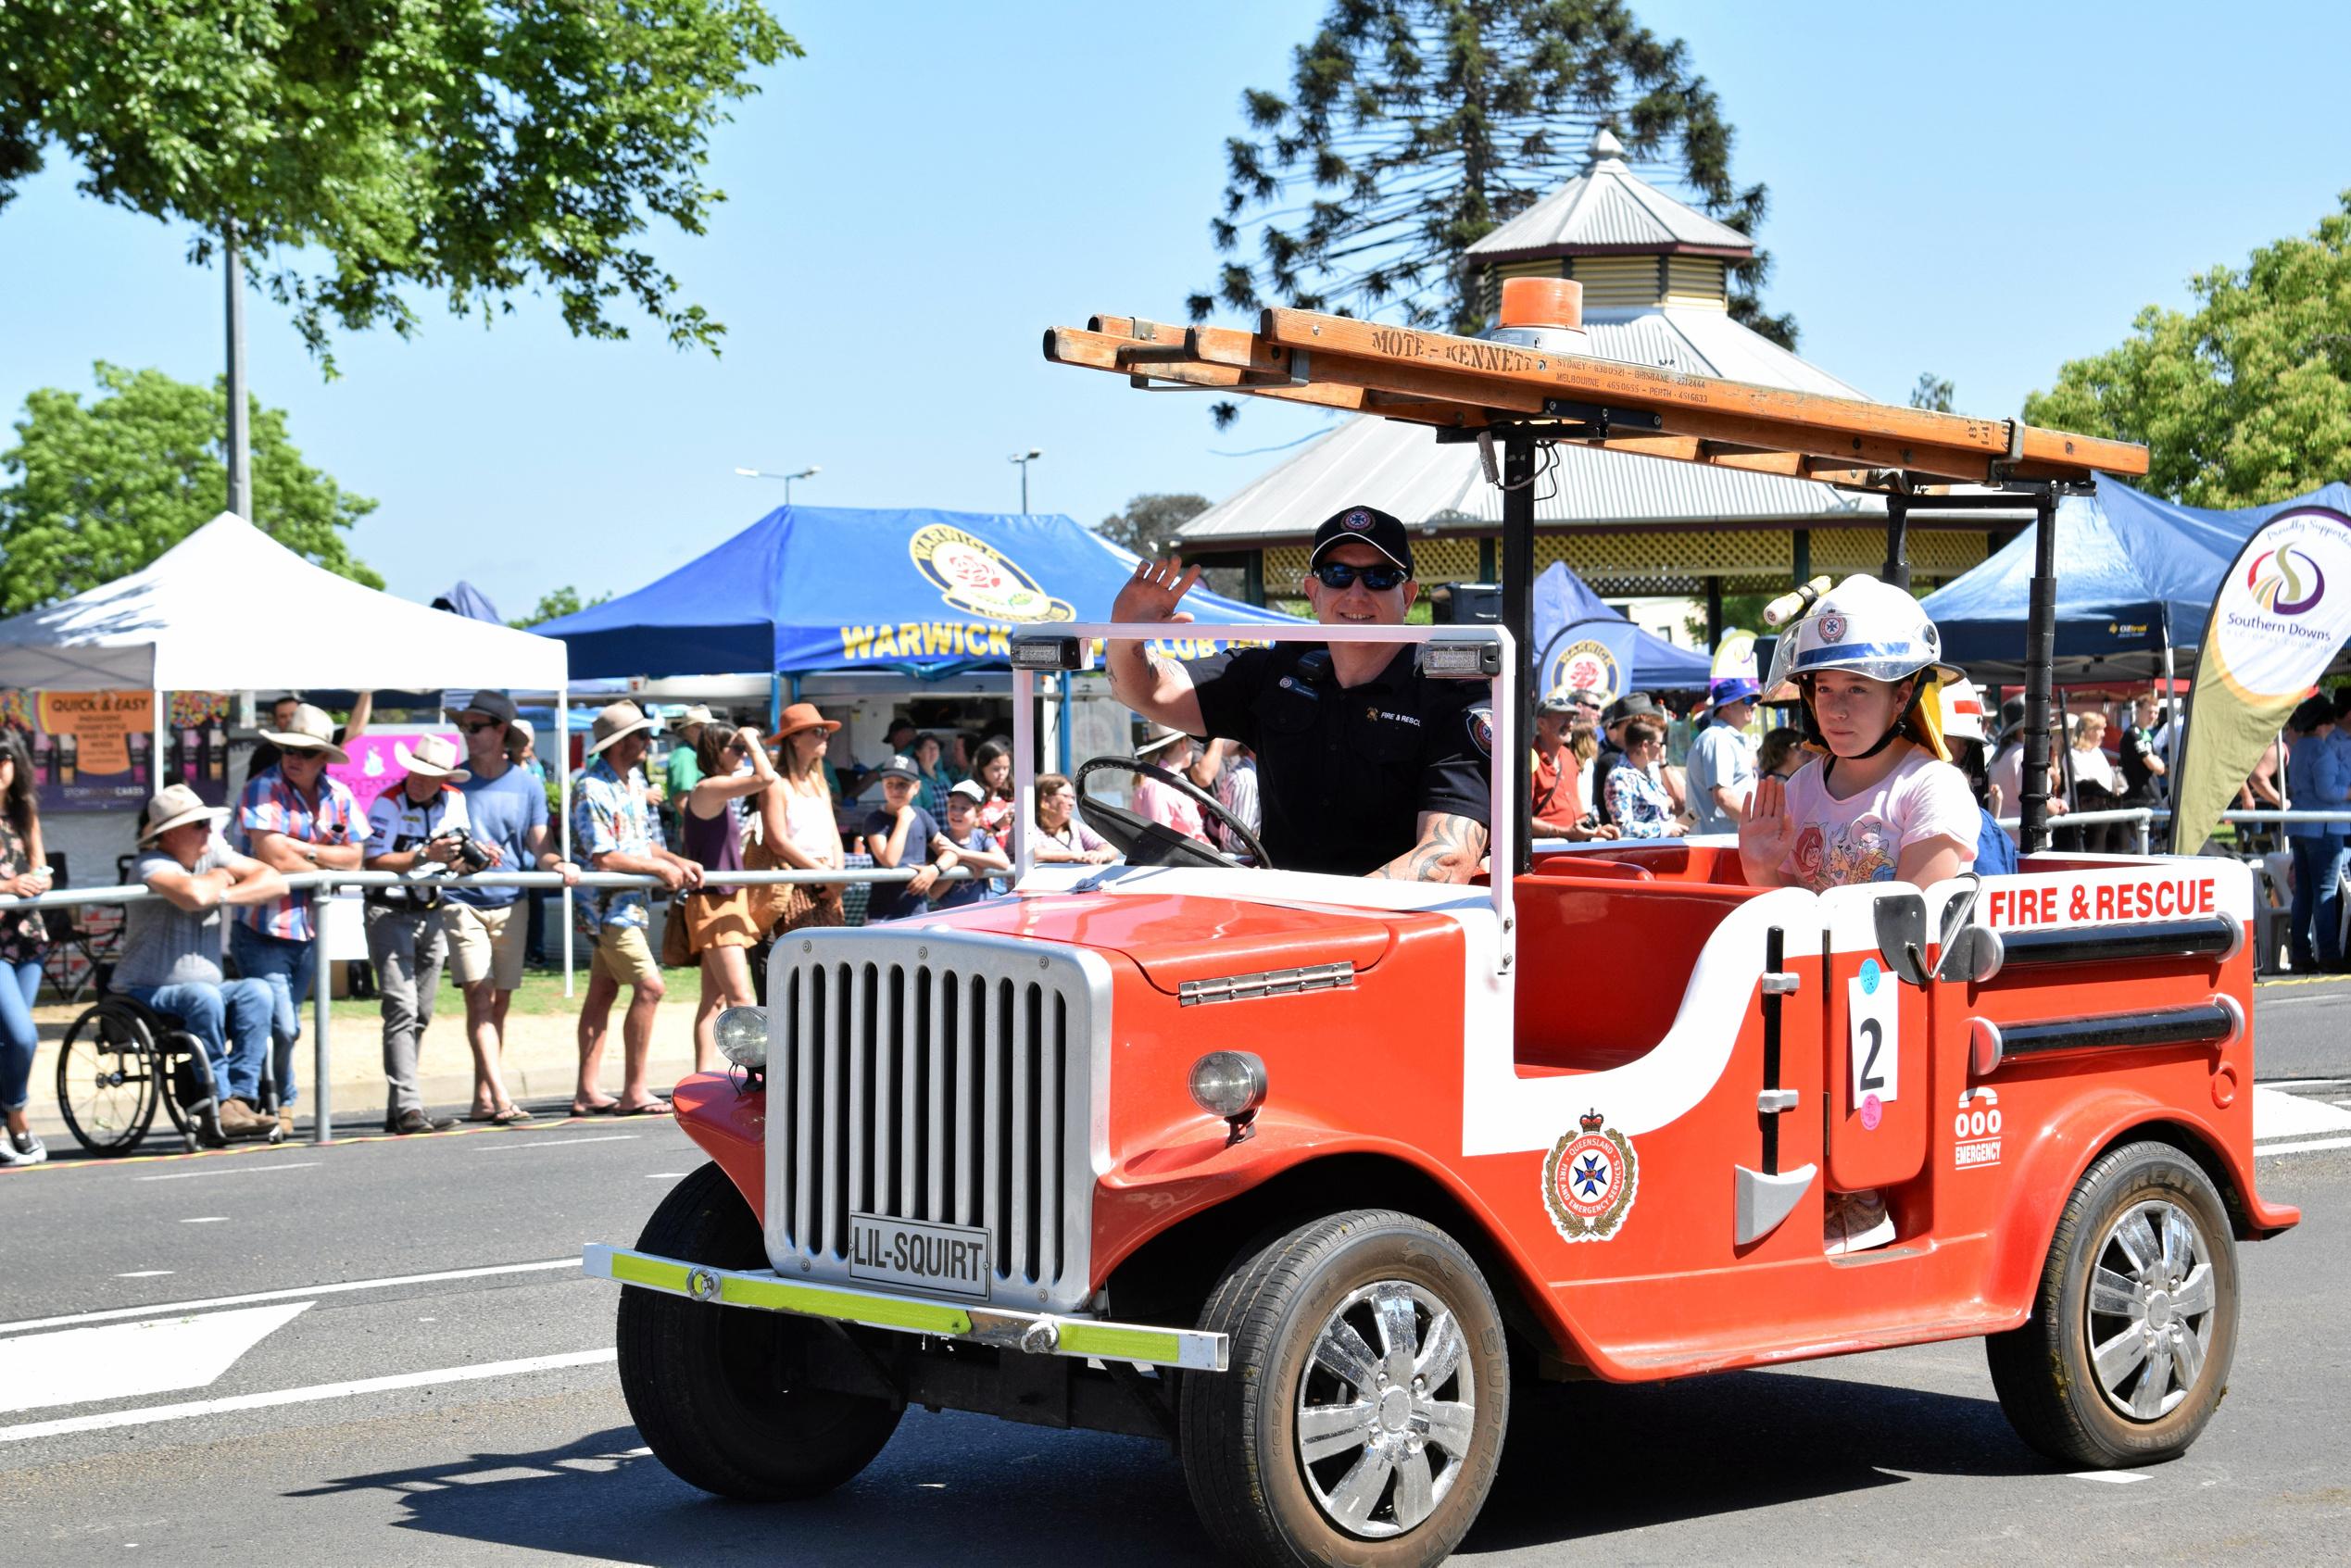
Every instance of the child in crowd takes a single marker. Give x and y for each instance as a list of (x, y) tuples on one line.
[(966, 843), (1881, 801)]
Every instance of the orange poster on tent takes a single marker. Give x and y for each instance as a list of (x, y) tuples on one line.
[(100, 724)]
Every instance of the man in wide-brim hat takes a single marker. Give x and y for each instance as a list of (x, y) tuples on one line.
[(170, 953), (488, 928), (294, 818), (413, 827), (612, 830)]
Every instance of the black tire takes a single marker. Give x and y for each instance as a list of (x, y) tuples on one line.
[(706, 1383), (2117, 1416), (109, 1077), (1255, 1488)]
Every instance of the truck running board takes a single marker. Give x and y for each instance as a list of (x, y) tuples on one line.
[(1762, 1200), (1038, 1334)]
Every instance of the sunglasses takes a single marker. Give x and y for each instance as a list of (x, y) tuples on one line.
[(475, 727), (1342, 574)]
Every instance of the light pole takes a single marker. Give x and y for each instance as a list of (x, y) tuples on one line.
[(805, 473), (1024, 459)]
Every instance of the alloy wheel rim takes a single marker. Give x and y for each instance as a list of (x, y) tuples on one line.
[(1387, 1408), (2150, 1312)]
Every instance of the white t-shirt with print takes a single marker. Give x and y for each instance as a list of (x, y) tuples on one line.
[(1860, 838)]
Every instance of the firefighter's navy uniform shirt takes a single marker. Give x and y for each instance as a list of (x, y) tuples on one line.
[(1344, 772)]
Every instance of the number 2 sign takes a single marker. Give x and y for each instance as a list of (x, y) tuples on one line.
[(1873, 1009)]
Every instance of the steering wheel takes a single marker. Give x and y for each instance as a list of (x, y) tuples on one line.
[(1146, 843)]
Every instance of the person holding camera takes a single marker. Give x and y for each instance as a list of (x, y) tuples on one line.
[(506, 812), (418, 827)]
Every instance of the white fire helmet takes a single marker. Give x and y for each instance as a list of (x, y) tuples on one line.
[(1962, 712), (1864, 626)]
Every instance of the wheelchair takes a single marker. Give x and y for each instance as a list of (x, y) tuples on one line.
[(121, 1060)]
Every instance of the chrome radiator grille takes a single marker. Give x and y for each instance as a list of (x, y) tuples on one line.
[(951, 1081)]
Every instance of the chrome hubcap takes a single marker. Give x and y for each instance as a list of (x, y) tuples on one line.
[(2149, 1318), (1382, 1433)]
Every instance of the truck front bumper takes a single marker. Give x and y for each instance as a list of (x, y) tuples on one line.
[(1043, 1333)]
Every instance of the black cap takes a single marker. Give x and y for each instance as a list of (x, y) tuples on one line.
[(1640, 705), (498, 705), (1363, 525)]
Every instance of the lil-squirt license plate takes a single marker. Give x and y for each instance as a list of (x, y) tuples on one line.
[(953, 1259)]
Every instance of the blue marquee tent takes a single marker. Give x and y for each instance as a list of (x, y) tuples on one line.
[(2135, 574), (908, 590), (1564, 599)]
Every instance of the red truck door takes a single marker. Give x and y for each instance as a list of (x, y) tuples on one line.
[(1878, 1092)]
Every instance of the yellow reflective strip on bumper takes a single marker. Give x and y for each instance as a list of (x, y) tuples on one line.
[(1121, 1344), (922, 1317), (631, 1268)]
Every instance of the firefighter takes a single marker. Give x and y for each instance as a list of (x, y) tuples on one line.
[(1365, 766)]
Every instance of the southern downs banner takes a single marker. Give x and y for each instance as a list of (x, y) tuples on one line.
[(2282, 613)]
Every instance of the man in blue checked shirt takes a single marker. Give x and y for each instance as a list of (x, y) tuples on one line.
[(613, 829), (293, 818)]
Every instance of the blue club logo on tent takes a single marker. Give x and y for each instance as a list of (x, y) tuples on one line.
[(972, 575)]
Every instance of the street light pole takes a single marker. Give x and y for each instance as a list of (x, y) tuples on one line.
[(240, 452), (808, 473), (1024, 459)]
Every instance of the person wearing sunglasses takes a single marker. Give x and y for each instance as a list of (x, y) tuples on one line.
[(1365, 766)]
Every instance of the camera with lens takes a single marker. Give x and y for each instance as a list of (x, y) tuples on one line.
[(471, 854)]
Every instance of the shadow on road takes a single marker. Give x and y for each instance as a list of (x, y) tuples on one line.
[(1584, 1461)]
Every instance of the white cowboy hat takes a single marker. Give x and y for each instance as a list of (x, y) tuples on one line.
[(435, 756), (620, 719), (175, 806), (311, 730)]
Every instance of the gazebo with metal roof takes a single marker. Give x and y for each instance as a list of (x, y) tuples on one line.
[(1656, 277)]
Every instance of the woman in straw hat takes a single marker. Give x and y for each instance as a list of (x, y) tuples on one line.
[(797, 828), (719, 922)]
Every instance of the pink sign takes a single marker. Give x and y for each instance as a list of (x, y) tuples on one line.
[(380, 761)]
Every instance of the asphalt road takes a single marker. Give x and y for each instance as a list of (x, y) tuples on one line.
[(485, 1425), (2302, 1028)]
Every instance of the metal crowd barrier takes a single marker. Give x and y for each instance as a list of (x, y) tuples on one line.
[(329, 881)]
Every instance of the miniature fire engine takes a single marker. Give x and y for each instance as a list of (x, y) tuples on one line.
[(1307, 1173)]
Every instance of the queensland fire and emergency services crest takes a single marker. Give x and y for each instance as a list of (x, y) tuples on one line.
[(1590, 1179), (974, 576)]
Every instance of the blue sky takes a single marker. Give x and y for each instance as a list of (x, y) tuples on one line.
[(1982, 191)]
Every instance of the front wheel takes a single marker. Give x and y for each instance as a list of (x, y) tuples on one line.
[(711, 1387), (2126, 1354), (1360, 1417)]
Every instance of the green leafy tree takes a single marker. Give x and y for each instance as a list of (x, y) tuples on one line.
[(1148, 524), (93, 492), (2245, 399), (1932, 392), (556, 603), (471, 147), (1411, 129)]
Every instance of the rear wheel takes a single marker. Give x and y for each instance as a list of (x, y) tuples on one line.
[(1362, 1415), (2132, 1331), (710, 1386), (109, 1077)]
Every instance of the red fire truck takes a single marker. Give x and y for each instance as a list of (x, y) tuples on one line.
[(1307, 1173)]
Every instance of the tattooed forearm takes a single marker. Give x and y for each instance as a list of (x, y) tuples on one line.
[(1448, 850)]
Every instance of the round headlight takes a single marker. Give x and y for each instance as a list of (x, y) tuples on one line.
[(742, 1037), (1229, 1083)]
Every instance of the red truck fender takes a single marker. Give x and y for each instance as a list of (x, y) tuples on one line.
[(2056, 1154)]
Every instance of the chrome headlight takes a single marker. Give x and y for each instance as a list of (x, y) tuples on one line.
[(742, 1037), (1229, 1083)]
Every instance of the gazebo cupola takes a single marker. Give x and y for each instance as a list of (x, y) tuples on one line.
[(1632, 246)]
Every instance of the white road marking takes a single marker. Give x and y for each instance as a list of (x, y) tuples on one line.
[(2302, 1082), (2111, 1477), (113, 1418), (207, 1220), (663, 1175), (230, 1171), (2278, 1115), (145, 1274), (127, 1361), (557, 1143), (115, 1314), (2263, 1152)]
